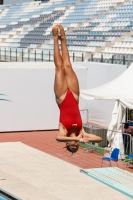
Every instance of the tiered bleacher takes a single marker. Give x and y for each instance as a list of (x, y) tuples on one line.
[(98, 27)]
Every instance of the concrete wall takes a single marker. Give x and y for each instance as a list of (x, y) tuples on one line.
[(15, 1)]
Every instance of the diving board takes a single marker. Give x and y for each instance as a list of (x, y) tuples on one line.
[(114, 177)]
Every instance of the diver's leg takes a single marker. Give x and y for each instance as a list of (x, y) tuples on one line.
[(60, 83), (71, 77)]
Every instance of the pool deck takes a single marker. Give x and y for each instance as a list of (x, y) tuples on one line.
[(34, 166)]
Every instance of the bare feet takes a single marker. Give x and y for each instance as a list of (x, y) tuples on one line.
[(61, 35)]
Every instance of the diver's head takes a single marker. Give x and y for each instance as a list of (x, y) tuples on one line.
[(72, 146)]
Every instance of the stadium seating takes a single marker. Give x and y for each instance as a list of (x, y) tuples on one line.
[(101, 27)]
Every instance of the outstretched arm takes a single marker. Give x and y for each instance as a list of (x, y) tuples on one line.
[(90, 137)]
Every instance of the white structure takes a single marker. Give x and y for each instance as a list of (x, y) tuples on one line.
[(119, 90), (98, 74)]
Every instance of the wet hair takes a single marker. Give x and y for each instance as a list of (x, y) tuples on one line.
[(126, 125), (72, 150)]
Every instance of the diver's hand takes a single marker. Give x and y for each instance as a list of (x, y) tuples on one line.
[(85, 140), (82, 139)]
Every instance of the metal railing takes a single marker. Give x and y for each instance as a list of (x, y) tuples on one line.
[(38, 55), (99, 131), (102, 132)]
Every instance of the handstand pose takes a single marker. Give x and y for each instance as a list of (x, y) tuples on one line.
[(66, 88)]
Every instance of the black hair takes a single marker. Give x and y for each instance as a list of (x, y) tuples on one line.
[(126, 125), (72, 150)]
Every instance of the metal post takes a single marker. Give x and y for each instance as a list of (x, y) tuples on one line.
[(92, 57), (101, 58), (91, 128), (35, 55), (82, 57), (112, 59), (5, 53), (49, 56), (16, 56), (123, 60), (22, 55), (126, 119), (28, 55), (73, 56), (42, 55), (87, 115), (10, 54)]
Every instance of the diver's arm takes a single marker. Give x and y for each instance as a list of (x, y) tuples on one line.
[(91, 137)]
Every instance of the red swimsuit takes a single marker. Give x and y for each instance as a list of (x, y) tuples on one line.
[(69, 113)]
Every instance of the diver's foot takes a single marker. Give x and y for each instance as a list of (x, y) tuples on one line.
[(62, 32), (55, 31)]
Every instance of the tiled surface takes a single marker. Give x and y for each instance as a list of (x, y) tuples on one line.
[(45, 141), (114, 177)]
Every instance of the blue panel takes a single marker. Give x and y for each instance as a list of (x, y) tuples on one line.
[(114, 177), (2, 198)]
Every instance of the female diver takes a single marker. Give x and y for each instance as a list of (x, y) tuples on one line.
[(66, 88)]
